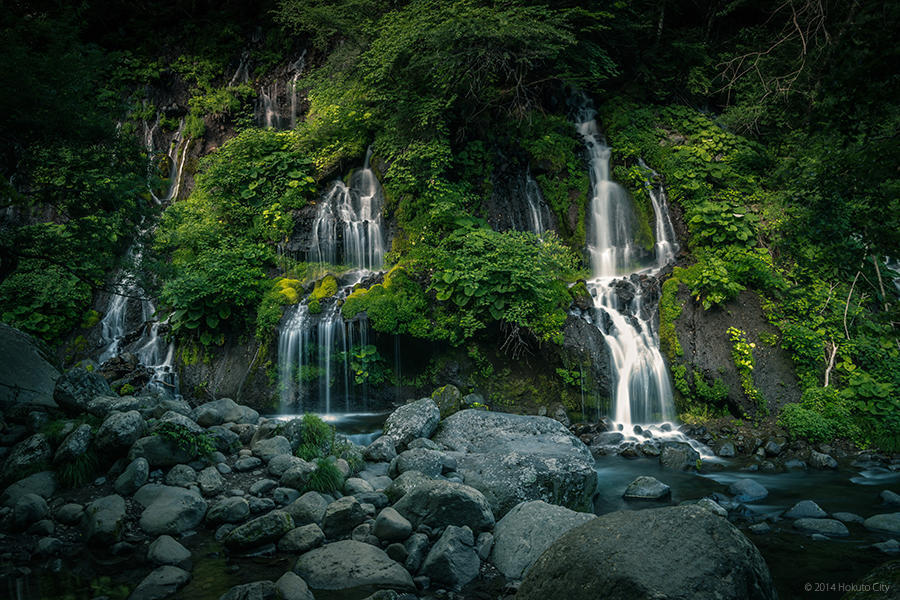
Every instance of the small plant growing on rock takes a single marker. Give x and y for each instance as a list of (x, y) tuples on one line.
[(79, 471), (318, 438), (326, 478), (195, 444)]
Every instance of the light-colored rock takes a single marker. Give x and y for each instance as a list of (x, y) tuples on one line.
[(120, 430), (165, 550), (104, 520), (410, 421), (171, 510), (351, 564)]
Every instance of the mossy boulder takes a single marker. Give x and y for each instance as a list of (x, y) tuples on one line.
[(448, 400)]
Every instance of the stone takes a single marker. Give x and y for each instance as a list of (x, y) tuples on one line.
[(309, 508), (261, 530), (168, 509), (181, 476), (261, 487), (484, 544), (103, 406), (848, 517), (438, 503), (160, 452), (133, 477), (69, 514), (120, 430), (161, 583), (805, 509), (515, 458), (747, 490), (452, 561), (886, 523), (176, 418), (760, 528), (43, 484), (34, 450), (298, 475), (258, 590), (284, 496), (818, 460), (726, 450), (247, 463), (104, 520), (382, 449), (282, 462), (269, 448), (416, 547), (712, 506), (350, 564), (397, 552), (302, 539), (291, 586), (523, 534), (404, 483), (229, 510), (422, 443), (774, 446), (889, 498), (225, 440), (210, 481), (27, 374), (165, 550), (261, 505), (447, 399), (410, 421), (355, 485), (75, 444), (48, 546), (678, 456), (223, 410), (647, 488), (78, 386), (29, 508), (391, 526), (674, 552), (829, 527), (341, 517), (888, 547), (425, 461)]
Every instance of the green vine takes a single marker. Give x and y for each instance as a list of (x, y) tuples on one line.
[(742, 353)]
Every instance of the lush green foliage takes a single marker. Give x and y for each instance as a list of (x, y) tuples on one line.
[(194, 444), (318, 438), (222, 238)]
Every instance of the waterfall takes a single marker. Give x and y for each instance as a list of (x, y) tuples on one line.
[(642, 392), (315, 351), (281, 96), (349, 220), (176, 154), (536, 206)]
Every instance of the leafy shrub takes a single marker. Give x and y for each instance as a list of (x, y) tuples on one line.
[(317, 440), (194, 444), (821, 415)]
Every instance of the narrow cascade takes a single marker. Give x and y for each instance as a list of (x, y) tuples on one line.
[(129, 323), (348, 227), (278, 101), (315, 351), (536, 207), (622, 286)]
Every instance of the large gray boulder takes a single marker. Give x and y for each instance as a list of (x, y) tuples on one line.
[(120, 430), (29, 509), (229, 510), (391, 526), (438, 503), (160, 451), (165, 550), (291, 587), (168, 509), (887, 523), (423, 460), (133, 477), (261, 530), (682, 552), (26, 373), (410, 421), (43, 484), (647, 488), (104, 520), (161, 583), (678, 456), (516, 458), (453, 561), (523, 534), (349, 564), (75, 388), (308, 508), (829, 527), (74, 445), (34, 450), (302, 539), (270, 448), (223, 410), (342, 516)]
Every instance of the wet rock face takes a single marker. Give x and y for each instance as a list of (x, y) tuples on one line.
[(677, 552)]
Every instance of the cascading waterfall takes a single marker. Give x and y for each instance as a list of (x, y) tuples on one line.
[(270, 108), (314, 351), (128, 310), (536, 207), (642, 392)]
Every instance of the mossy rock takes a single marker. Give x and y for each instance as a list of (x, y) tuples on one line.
[(325, 288), (448, 400), (581, 297)]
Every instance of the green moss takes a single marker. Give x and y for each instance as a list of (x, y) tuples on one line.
[(325, 288), (635, 181), (669, 312)]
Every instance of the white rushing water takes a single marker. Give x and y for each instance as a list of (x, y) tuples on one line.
[(314, 351), (536, 207), (642, 392)]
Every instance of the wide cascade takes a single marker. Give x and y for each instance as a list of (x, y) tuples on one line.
[(623, 286), (315, 352)]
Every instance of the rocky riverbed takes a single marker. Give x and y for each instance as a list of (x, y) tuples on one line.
[(213, 501)]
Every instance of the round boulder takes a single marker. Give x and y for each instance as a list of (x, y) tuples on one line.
[(675, 552), (348, 564)]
